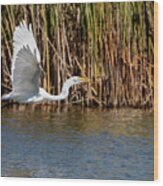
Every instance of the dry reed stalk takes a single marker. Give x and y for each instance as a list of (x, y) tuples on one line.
[(110, 43)]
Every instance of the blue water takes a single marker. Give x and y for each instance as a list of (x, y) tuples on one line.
[(89, 143)]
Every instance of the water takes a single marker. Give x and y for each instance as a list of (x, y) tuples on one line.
[(89, 143)]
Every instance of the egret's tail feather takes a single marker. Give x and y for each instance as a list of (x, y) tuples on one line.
[(6, 97)]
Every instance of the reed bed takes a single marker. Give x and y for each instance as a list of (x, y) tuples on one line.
[(110, 43)]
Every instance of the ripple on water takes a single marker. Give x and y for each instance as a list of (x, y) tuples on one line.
[(89, 143)]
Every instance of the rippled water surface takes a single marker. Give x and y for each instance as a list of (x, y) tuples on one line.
[(89, 143)]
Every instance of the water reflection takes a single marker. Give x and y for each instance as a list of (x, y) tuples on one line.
[(78, 143)]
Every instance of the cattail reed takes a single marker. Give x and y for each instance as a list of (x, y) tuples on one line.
[(110, 43)]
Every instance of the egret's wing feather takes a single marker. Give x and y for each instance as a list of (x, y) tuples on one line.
[(26, 73), (26, 61)]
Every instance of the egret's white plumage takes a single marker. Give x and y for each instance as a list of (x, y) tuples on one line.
[(26, 70)]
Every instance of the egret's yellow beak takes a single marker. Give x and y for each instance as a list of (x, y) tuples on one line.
[(84, 79)]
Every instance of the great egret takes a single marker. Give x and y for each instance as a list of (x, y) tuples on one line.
[(26, 70)]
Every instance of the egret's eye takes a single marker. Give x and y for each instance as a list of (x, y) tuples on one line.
[(75, 80)]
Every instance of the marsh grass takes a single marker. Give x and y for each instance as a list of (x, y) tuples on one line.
[(110, 43)]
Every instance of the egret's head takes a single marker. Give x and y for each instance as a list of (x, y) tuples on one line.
[(70, 82), (77, 80)]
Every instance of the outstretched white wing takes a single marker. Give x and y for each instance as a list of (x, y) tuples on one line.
[(26, 67)]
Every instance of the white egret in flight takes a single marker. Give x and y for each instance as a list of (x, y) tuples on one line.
[(26, 70)]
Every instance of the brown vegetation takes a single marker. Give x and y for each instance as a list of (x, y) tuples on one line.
[(110, 43)]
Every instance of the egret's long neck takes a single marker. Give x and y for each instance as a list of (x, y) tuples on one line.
[(64, 93)]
